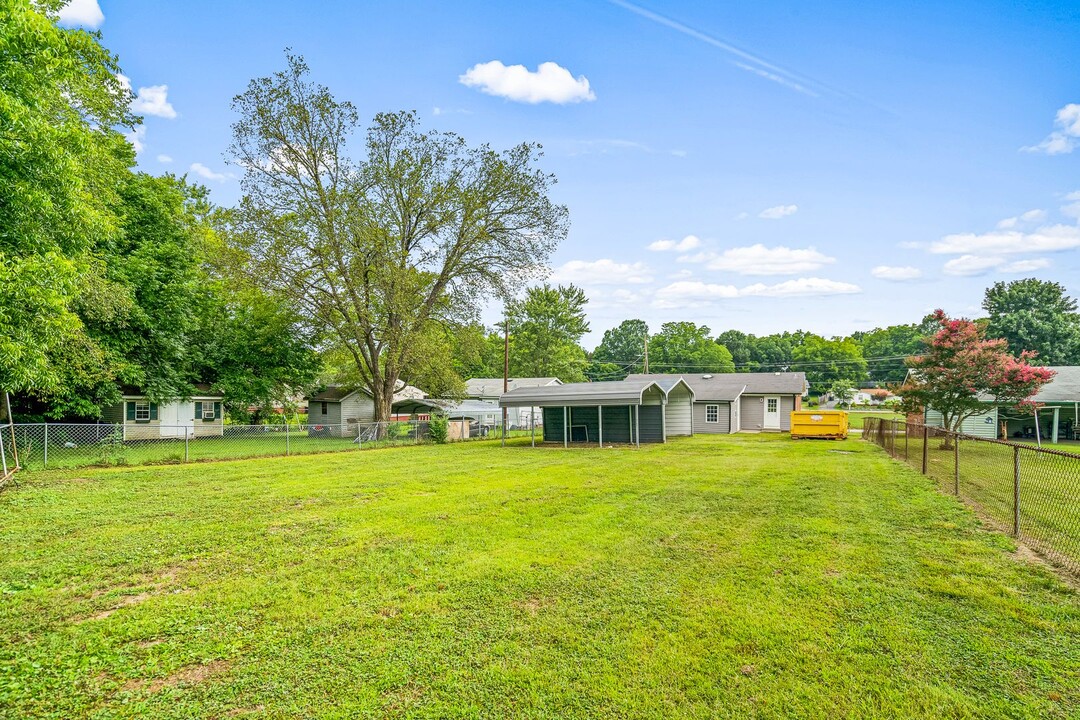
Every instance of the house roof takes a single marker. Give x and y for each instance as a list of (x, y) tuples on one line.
[(617, 392), (337, 393), (1065, 387), (493, 387), (197, 390), (726, 387), (466, 408)]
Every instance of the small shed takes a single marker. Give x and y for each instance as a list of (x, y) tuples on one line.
[(337, 410), (141, 419), (624, 411)]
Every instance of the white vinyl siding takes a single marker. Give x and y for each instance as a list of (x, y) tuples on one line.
[(679, 412), (983, 425)]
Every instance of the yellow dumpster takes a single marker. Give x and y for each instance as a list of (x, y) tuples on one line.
[(823, 424)]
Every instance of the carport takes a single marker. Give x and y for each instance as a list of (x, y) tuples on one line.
[(627, 411)]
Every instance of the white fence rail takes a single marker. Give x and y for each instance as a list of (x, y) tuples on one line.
[(48, 446)]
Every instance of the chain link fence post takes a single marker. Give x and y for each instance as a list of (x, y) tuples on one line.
[(1016, 492), (925, 449), (956, 465)]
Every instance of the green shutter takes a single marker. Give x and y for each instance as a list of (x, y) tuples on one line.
[(217, 411), (198, 410), (153, 411), (130, 410)]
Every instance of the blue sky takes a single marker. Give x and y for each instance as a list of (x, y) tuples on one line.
[(757, 166)]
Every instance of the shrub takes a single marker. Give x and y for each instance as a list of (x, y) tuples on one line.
[(439, 429)]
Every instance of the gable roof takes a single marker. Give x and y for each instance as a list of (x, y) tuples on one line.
[(198, 389), (1065, 387), (726, 387), (337, 393), (493, 387), (616, 392)]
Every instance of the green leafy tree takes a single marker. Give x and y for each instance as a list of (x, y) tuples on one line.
[(476, 352), (742, 348), (546, 327), (373, 251), (890, 347), (255, 349), (827, 361), (622, 350), (962, 373), (60, 158), (1037, 316), (683, 347)]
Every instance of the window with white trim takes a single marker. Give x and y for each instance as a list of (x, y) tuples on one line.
[(712, 413), (142, 410), (771, 405), (208, 411)]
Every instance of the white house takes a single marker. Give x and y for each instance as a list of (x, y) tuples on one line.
[(199, 416)]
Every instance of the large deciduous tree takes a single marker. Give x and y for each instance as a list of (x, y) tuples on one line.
[(546, 327), (962, 373), (684, 347), (622, 350), (827, 361), (60, 157), (1037, 316), (376, 250)]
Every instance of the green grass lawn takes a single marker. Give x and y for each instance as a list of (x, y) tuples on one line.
[(733, 576)]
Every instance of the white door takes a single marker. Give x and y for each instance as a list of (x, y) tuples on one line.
[(177, 419), (772, 412)]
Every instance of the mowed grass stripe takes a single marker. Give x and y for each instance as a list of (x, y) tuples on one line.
[(743, 576)]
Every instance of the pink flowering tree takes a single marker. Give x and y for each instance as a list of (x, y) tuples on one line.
[(963, 373)]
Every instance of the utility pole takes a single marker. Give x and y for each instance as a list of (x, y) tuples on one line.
[(646, 353), (506, 368)]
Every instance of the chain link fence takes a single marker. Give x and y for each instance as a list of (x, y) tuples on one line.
[(1031, 492), (49, 446)]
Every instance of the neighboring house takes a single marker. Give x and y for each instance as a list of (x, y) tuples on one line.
[(491, 389), (873, 396), (624, 411), (1059, 415), (199, 416), (337, 409), (726, 403)]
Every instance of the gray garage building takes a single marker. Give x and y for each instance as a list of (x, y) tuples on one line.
[(626, 411), (726, 403)]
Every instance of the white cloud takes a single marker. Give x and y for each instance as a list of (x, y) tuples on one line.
[(1073, 208), (1052, 238), (777, 212), (153, 100), (205, 172), (896, 274), (687, 243), (760, 260), (971, 265), (803, 287), (602, 272), (691, 293), (1023, 266), (85, 13), (136, 138), (1066, 136), (165, 159), (1031, 216), (549, 83)]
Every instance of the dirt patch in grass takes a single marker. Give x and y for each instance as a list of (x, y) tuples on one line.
[(532, 604), (190, 675), (126, 601)]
